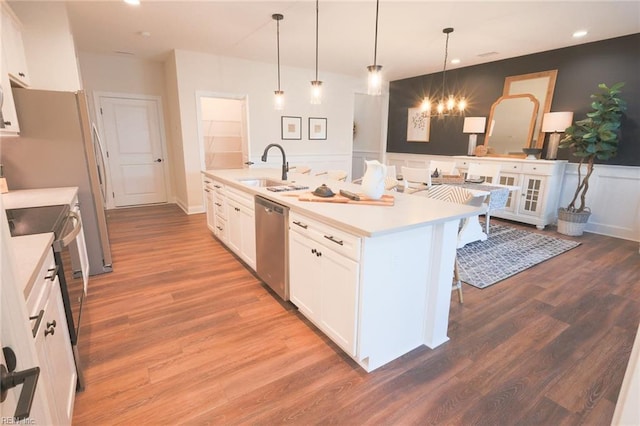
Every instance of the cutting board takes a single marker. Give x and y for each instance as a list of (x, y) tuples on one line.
[(386, 200)]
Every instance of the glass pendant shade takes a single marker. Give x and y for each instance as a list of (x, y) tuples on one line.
[(278, 100), (375, 80), (316, 92)]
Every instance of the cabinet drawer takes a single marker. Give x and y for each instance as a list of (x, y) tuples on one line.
[(337, 240), (220, 206), (240, 197), (42, 286), (511, 168), (221, 228), (537, 169)]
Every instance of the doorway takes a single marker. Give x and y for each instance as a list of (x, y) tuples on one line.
[(133, 132), (367, 132), (222, 127)]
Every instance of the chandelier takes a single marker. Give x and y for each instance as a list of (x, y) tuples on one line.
[(445, 104)]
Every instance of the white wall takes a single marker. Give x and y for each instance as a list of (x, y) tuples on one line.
[(49, 46), (257, 81)]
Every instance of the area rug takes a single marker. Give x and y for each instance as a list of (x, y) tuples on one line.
[(506, 252)]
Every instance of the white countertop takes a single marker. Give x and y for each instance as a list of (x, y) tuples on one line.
[(363, 220), (29, 253), (22, 198)]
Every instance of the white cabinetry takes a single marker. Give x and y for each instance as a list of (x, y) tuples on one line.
[(539, 182), (216, 209), (57, 367), (12, 45), (241, 236), (324, 278)]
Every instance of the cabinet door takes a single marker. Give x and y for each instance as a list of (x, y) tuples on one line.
[(54, 350), (304, 276), (248, 236), (9, 119), (339, 298), (210, 208), (234, 226), (13, 46), (511, 180), (532, 197)]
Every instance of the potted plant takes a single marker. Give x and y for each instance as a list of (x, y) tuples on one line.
[(595, 137)]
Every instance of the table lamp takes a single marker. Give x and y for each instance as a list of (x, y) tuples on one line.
[(555, 123), (473, 125)]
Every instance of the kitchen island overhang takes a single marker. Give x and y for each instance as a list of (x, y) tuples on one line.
[(405, 266)]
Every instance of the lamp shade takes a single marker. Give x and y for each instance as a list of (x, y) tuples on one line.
[(474, 124), (556, 121)]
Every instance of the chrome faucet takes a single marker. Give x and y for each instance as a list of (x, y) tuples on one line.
[(285, 165)]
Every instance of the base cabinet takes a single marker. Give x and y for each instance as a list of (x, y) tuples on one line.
[(241, 226), (539, 181), (324, 281)]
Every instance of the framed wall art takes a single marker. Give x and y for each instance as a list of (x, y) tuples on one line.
[(418, 125), (317, 128), (291, 128)]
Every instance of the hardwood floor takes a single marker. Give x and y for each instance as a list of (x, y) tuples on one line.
[(181, 332)]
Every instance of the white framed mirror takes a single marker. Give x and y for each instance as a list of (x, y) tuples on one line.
[(539, 84), (511, 124)]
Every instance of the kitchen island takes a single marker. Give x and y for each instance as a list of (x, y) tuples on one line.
[(383, 284)]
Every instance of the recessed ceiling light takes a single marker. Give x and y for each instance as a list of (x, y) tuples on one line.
[(455, 61), (580, 33), (132, 2)]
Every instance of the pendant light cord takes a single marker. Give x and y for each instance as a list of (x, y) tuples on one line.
[(444, 66), (317, 39), (375, 45)]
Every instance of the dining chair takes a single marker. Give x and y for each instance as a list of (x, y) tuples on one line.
[(491, 174), (416, 176), (453, 194), (443, 167)]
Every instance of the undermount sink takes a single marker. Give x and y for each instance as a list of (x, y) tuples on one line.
[(261, 182)]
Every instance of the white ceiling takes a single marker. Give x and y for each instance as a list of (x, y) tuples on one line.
[(410, 38)]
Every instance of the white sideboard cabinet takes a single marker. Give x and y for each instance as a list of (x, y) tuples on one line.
[(539, 183)]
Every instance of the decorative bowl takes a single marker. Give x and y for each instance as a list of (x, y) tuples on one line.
[(532, 153)]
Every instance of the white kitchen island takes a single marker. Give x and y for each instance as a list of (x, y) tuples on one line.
[(384, 288)]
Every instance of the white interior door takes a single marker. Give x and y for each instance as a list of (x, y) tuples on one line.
[(135, 150)]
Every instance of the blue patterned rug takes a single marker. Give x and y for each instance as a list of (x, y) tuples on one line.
[(506, 252)]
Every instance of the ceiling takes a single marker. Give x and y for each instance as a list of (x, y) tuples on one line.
[(410, 37)]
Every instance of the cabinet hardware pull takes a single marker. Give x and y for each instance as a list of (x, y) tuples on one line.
[(7, 123), (54, 272), (300, 224), (50, 331), (218, 204), (38, 319), (332, 239), (313, 251), (21, 74), (27, 378), (318, 253), (51, 324), (207, 190), (217, 186)]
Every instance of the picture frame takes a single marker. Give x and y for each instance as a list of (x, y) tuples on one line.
[(291, 128), (418, 125), (317, 128)]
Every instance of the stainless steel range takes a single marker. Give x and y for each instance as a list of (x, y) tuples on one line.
[(66, 226)]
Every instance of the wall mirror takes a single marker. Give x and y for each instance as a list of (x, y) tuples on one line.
[(511, 124), (541, 85)]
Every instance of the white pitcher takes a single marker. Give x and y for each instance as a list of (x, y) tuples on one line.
[(373, 179)]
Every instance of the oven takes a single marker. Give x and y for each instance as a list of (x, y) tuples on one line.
[(69, 251)]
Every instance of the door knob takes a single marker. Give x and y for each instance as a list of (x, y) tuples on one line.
[(10, 379), (159, 160)]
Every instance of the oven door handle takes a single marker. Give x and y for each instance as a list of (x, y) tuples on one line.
[(67, 239)]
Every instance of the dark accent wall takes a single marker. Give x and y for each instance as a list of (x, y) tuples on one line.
[(580, 69)]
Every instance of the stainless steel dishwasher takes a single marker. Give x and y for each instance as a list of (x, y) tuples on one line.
[(271, 245)]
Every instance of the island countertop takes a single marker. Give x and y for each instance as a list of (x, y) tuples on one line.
[(362, 220)]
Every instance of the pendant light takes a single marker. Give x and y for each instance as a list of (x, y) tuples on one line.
[(375, 79), (279, 94), (316, 85), (447, 104)]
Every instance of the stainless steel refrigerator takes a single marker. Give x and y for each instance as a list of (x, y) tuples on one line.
[(58, 146)]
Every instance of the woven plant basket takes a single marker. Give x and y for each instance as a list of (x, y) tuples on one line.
[(572, 223)]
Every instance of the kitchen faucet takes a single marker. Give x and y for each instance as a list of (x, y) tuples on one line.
[(285, 165)]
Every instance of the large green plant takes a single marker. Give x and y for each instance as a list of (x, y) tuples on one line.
[(595, 137)]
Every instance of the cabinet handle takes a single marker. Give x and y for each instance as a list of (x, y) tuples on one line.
[(218, 204), (207, 190), (334, 240), (7, 123), (207, 181), (54, 272), (51, 328), (313, 251), (217, 186), (21, 74), (10, 379), (38, 319), (300, 224), (237, 209)]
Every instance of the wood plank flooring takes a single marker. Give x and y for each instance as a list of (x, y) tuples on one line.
[(181, 333)]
